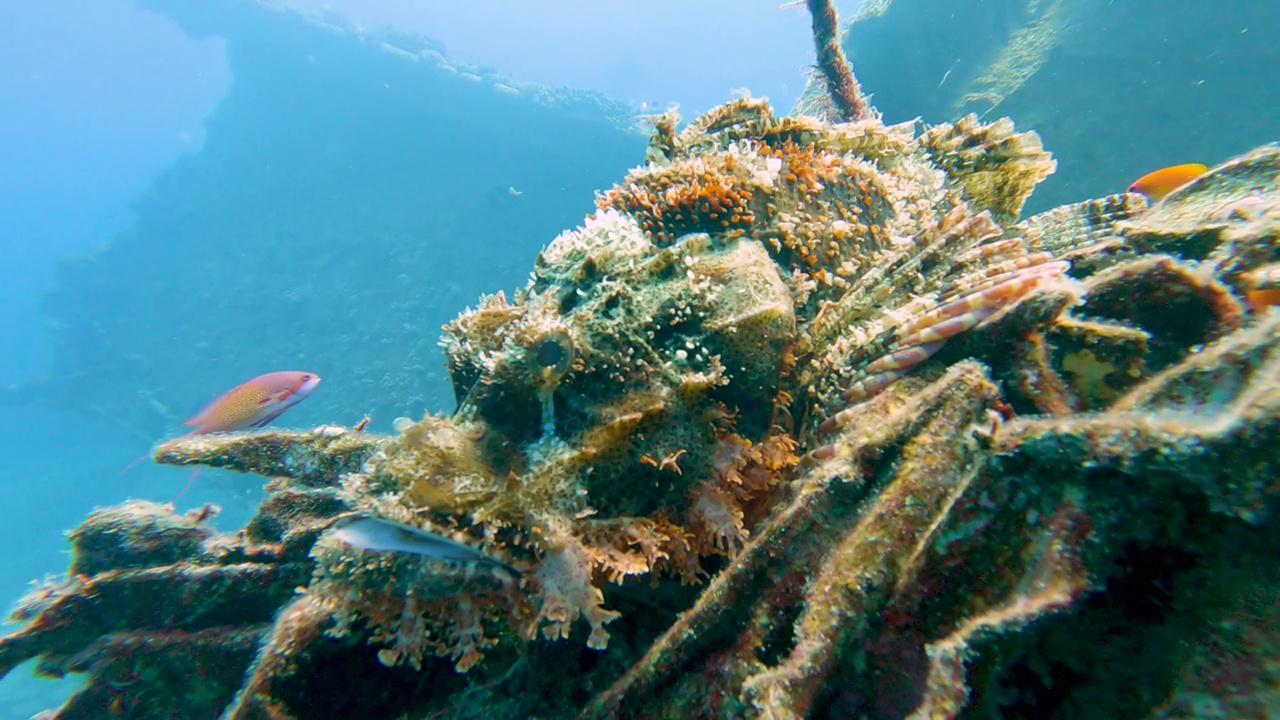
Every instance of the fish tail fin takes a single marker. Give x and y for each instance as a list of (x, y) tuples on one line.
[(190, 481), (134, 462)]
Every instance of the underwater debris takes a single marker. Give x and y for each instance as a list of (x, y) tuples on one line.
[(801, 422), (154, 596), (314, 458)]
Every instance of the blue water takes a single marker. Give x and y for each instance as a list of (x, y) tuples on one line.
[(101, 98), (98, 98)]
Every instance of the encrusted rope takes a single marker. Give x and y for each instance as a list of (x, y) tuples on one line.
[(841, 84)]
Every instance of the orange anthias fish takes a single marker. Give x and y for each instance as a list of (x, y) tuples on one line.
[(1259, 299), (251, 404), (1158, 183)]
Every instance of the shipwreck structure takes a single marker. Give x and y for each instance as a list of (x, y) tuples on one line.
[(806, 419), (1116, 89)]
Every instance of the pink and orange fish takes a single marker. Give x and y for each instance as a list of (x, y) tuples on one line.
[(251, 404), (254, 403)]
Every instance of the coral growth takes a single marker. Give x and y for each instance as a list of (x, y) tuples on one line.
[(162, 614), (801, 422)]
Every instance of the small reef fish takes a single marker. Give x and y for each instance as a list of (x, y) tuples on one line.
[(1259, 299), (378, 535), (254, 403), (251, 404), (1158, 183)]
